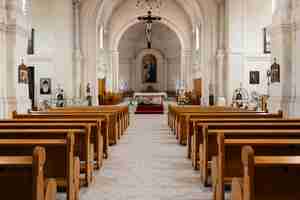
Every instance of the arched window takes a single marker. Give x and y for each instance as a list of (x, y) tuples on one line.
[(101, 32), (197, 38)]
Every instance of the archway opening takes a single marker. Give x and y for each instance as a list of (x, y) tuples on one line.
[(136, 72)]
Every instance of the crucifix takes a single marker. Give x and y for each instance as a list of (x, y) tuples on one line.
[(149, 19)]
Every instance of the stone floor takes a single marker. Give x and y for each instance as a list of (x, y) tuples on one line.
[(147, 164)]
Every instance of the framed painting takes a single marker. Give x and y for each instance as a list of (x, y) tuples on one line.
[(22, 73), (45, 86), (149, 69), (254, 77)]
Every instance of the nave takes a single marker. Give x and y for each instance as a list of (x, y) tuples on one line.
[(147, 164)]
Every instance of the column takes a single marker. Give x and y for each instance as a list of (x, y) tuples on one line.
[(3, 93), (281, 94), (220, 86), (186, 69), (16, 43), (77, 56), (115, 70)]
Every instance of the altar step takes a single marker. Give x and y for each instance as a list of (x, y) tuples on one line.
[(150, 109)]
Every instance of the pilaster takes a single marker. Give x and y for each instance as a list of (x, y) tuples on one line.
[(220, 57), (16, 48), (77, 55), (282, 94), (186, 69)]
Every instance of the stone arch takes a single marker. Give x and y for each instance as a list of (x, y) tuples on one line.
[(132, 22), (200, 12)]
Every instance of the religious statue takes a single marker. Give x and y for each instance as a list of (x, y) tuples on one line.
[(89, 94), (149, 19), (148, 34), (60, 102), (149, 69), (275, 72)]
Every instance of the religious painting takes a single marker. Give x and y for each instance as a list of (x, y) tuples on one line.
[(275, 72), (22, 73), (267, 41), (45, 86), (149, 69), (254, 77)]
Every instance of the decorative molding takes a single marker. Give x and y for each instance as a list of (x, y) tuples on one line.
[(20, 30), (258, 58), (38, 59)]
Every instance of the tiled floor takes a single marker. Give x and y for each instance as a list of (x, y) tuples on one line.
[(147, 164)]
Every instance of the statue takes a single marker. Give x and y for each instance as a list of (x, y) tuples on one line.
[(89, 94), (275, 72), (60, 102)]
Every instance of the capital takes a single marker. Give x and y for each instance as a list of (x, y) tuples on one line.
[(76, 3)]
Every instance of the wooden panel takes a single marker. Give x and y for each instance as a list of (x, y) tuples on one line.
[(198, 87)]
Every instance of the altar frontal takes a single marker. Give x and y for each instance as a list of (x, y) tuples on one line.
[(150, 103)]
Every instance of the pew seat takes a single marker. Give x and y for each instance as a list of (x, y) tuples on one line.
[(22, 177), (228, 163), (61, 162), (267, 177)]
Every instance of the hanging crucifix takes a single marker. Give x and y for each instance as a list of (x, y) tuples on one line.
[(149, 19)]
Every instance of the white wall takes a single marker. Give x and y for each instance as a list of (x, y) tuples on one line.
[(53, 24), (245, 23)]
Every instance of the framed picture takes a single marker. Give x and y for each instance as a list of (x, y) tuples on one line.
[(254, 77), (22, 74), (149, 69), (45, 86), (267, 41)]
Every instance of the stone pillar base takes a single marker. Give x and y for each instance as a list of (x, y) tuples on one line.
[(3, 108)]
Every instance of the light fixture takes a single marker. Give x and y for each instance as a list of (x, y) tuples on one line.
[(149, 5)]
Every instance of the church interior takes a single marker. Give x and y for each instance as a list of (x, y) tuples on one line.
[(149, 99)]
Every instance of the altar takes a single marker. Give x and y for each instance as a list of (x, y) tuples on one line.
[(150, 103)]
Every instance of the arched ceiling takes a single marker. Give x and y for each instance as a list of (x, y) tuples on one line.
[(164, 39), (111, 6)]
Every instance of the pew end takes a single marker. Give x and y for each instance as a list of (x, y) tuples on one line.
[(237, 189)]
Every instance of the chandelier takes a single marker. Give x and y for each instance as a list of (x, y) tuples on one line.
[(149, 5)]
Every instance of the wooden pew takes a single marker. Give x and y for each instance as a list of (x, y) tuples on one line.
[(119, 116), (208, 140), (183, 127), (195, 122), (175, 111), (82, 140), (123, 112), (267, 177), (61, 162), (227, 163), (98, 127), (108, 117), (22, 177)]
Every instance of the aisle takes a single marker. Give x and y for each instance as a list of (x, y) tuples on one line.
[(147, 164)]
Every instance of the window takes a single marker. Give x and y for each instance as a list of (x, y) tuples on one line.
[(273, 6), (197, 38)]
